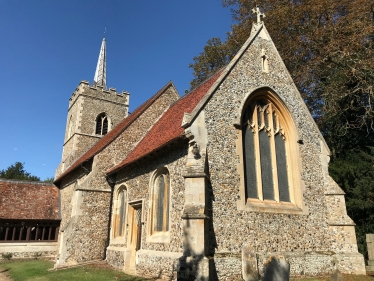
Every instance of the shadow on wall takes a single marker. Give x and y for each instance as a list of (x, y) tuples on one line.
[(200, 266)]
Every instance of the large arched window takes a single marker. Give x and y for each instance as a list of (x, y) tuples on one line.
[(101, 124), (264, 137), (120, 212), (270, 163), (160, 201)]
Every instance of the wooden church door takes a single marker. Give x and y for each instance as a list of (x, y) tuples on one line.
[(136, 232)]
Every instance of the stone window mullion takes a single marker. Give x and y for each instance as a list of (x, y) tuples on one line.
[(273, 153), (257, 152)]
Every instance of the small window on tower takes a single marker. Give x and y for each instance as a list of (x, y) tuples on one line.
[(101, 124)]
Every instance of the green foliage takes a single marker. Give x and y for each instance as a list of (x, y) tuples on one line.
[(354, 172), (49, 179), (17, 172), (7, 256), (38, 270), (215, 56)]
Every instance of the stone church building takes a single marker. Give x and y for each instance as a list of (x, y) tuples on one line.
[(205, 186)]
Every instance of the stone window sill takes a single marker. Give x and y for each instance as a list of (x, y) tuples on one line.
[(117, 240), (270, 206), (159, 237)]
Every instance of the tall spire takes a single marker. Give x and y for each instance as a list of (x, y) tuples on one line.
[(100, 73)]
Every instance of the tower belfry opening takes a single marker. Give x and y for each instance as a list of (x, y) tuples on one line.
[(93, 111)]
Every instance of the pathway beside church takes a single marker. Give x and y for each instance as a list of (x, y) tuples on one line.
[(3, 275)]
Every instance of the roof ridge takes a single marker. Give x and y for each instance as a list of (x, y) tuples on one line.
[(26, 181), (146, 132), (197, 87), (145, 145), (151, 100), (225, 71), (108, 138), (210, 76)]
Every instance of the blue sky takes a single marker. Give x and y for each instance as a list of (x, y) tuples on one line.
[(48, 47)]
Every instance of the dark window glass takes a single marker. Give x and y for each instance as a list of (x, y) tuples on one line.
[(283, 187), (98, 126), (160, 203), (121, 213), (105, 126), (249, 163), (101, 124), (266, 169)]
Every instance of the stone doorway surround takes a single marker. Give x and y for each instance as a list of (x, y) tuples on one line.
[(134, 241)]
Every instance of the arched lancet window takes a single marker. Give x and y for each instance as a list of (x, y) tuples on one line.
[(160, 201), (120, 212), (266, 150), (101, 124)]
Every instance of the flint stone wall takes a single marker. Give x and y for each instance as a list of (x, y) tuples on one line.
[(137, 180), (115, 257), (87, 233), (157, 267), (85, 104), (120, 147), (264, 232)]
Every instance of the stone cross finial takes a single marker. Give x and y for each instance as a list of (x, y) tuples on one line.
[(259, 14)]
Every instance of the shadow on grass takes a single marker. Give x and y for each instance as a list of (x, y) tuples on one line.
[(38, 271)]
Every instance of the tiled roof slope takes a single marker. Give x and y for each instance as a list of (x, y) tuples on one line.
[(28, 200), (168, 127), (111, 135)]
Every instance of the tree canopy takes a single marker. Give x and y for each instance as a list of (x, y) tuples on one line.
[(17, 171)]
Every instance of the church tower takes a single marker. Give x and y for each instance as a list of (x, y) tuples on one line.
[(93, 111)]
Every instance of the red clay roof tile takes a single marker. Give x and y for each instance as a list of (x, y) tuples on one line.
[(168, 127), (29, 200), (111, 135)]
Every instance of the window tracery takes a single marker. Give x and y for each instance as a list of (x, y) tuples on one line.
[(265, 154), (101, 124)]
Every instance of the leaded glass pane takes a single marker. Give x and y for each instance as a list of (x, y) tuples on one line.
[(121, 213), (266, 117), (167, 190), (259, 116), (275, 123), (266, 169), (283, 187), (160, 202), (249, 163), (98, 126), (105, 126)]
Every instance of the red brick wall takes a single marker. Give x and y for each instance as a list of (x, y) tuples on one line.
[(28, 200)]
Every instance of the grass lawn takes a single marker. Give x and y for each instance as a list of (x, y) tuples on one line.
[(346, 278), (37, 270)]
